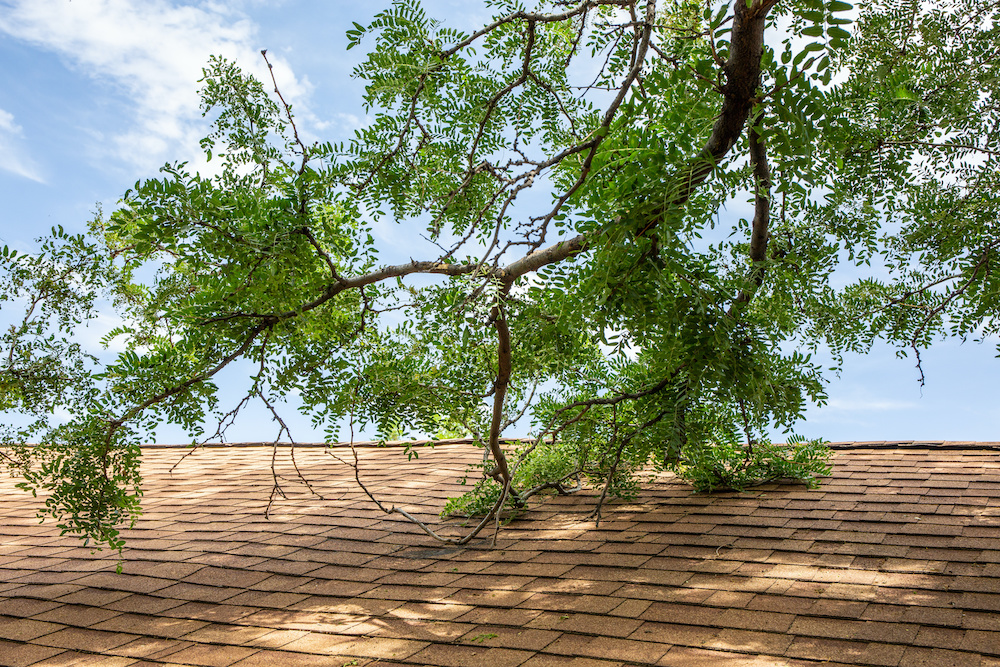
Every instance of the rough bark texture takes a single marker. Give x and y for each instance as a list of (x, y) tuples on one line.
[(762, 213), (742, 70), (504, 369)]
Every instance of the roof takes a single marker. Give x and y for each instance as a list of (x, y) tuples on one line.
[(895, 560)]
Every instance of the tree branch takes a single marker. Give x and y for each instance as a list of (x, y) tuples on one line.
[(761, 215)]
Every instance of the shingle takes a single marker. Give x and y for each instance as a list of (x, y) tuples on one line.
[(894, 561)]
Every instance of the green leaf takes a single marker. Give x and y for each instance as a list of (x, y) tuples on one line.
[(837, 32)]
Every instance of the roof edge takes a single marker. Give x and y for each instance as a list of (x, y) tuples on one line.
[(915, 444), (868, 444)]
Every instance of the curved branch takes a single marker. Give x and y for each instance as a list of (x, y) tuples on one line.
[(761, 214), (951, 296), (638, 59), (743, 78), (504, 369)]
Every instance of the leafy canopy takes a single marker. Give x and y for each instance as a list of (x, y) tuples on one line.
[(620, 311)]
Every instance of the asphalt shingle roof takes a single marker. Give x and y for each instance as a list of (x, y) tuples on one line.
[(895, 560)]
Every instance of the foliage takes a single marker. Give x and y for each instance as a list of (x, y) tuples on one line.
[(548, 464), (627, 318), (733, 466)]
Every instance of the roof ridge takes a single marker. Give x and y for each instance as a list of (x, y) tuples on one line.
[(850, 444), (915, 444)]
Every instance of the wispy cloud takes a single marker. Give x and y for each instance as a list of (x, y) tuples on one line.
[(346, 123), (12, 153), (153, 52)]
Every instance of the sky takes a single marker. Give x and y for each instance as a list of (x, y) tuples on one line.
[(98, 94)]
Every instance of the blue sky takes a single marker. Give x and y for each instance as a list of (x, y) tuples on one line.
[(96, 94)]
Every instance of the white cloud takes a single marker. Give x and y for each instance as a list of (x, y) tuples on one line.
[(12, 154), (153, 51), (346, 122), (7, 123), (91, 336)]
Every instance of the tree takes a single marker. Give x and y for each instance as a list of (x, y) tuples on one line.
[(604, 315)]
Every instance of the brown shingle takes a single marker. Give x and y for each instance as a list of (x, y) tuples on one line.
[(895, 560), (915, 656), (24, 629), (628, 650)]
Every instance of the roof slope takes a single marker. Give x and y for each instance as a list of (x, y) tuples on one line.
[(895, 560)]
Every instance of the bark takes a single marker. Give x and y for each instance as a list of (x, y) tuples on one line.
[(742, 70), (739, 94), (503, 381), (761, 216)]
